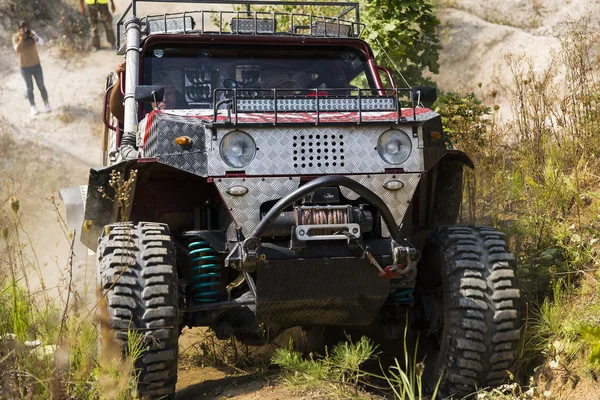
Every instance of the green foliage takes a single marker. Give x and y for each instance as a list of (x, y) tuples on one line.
[(591, 335), (400, 33), (406, 32), (49, 346), (301, 372), (465, 118), (346, 358), (407, 383), (337, 373)]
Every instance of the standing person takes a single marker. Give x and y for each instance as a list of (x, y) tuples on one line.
[(98, 12), (25, 42)]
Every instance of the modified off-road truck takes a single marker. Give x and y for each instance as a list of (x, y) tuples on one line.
[(269, 179)]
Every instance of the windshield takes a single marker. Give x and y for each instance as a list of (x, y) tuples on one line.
[(192, 75)]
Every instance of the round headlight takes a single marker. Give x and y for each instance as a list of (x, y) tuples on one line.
[(394, 146), (237, 149)]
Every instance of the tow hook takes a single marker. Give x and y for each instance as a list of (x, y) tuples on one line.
[(245, 256), (403, 261), (250, 250)]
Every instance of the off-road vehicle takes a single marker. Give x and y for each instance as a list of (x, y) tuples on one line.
[(273, 181)]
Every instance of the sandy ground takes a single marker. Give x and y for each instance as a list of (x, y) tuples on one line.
[(197, 382), (55, 150)]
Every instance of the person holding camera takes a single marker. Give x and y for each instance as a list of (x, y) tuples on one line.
[(25, 42)]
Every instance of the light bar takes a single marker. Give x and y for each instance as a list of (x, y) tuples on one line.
[(165, 24), (332, 28), (253, 25), (339, 104)]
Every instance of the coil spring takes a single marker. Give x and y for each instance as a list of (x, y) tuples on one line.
[(401, 296), (206, 278)]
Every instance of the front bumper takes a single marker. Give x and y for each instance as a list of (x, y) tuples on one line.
[(339, 286)]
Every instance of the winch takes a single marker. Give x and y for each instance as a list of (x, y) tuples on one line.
[(315, 222)]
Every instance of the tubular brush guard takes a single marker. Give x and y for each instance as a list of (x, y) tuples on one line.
[(246, 256)]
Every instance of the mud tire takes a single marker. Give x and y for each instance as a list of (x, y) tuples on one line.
[(480, 297), (138, 276)]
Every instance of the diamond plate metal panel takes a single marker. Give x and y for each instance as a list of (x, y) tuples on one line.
[(278, 146), (159, 132), (396, 200), (282, 150), (194, 163), (424, 116), (245, 209)]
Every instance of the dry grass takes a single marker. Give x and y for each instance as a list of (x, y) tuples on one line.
[(536, 180)]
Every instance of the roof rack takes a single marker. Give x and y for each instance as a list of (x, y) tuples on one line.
[(345, 23)]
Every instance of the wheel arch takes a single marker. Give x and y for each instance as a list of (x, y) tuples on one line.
[(159, 193), (447, 187)]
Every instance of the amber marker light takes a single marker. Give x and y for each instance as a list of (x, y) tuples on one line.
[(183, 140), (436, 135)]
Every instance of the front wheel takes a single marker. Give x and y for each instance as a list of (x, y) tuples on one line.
[(138, 277), (473, 275)]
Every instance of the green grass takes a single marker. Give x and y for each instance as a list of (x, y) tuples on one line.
[(337, 374), (340, 372)]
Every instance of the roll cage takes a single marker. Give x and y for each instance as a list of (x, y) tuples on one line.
[(251, 18)]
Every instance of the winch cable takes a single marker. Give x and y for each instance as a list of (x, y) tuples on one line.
[(366, 251)]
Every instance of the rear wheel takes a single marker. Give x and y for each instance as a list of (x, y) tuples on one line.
[(138, 276), (473, 275)]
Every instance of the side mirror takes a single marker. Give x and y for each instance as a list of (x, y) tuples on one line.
[(427, 94), (149, 94)]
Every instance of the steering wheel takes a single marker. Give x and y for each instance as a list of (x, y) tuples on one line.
[(231, 84)]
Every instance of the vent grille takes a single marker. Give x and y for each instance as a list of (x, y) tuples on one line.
[(318, 150)]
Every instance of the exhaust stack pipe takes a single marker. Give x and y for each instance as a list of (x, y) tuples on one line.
[(128, 148)]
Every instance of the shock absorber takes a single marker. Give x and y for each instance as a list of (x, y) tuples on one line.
[(206, 275)]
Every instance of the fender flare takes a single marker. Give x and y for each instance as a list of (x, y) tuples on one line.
[(459, 156), (100, 210)]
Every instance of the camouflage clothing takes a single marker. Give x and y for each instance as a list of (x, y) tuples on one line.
[(100, 13)]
